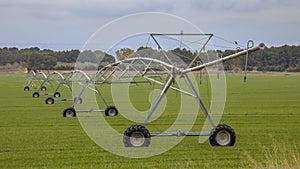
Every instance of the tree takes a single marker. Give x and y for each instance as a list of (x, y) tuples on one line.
[(37, 61), (186, 55), (124, 53)]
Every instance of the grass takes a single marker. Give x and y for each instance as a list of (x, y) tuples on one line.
[(278, 156), (264, 112)]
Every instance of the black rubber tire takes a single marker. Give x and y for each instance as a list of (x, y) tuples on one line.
[(56, 94), (79, 101), (49, 100), (136, 136), (69, 112), (35, 95), (43, 88), (222, 135), (111, 111), (26, 88)]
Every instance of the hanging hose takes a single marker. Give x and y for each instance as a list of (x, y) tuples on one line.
[(245, 69), (250, 44), (200, 76), (218, 67)]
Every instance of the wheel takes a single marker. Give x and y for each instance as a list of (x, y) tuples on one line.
[(56, 94), (222, 135), (43, 88), (69, 112), (111, 111), (78, 101), (26, 88), (49, 100), (136, 136), (35, 94)]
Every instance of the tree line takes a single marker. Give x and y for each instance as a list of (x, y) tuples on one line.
[(46, 59), (279, 59), (284, 58)]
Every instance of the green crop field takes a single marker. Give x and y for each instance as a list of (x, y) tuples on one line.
[(265, 113)]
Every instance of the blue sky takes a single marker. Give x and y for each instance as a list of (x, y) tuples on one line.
[(67, 24)]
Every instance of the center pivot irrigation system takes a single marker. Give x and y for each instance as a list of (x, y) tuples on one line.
[(87, 82), (163, 70), (40, 82), (143, 68), (220, 135), (33, 78)]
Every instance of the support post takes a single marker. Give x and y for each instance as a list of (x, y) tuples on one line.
[(189, 83), (163, 91)]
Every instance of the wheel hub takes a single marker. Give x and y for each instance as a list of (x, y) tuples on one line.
[(69, 113), (137, 139), (223, 137), (111, 112)]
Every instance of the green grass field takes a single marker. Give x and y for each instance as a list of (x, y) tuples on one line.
[(265, 113)]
